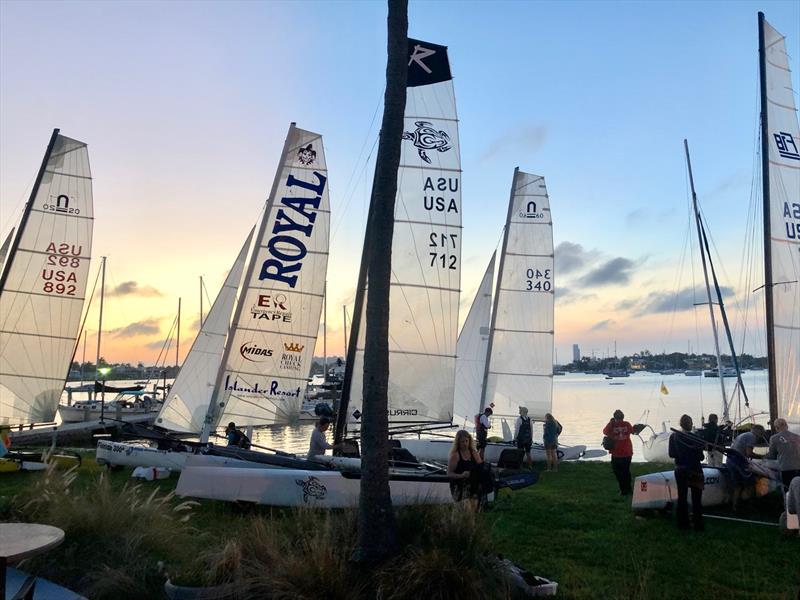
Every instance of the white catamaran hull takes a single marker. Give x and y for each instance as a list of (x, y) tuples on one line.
[(136, 455), (294, 487), (438, 450), (658, 490)]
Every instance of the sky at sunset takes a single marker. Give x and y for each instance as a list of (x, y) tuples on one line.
[(185, 108)]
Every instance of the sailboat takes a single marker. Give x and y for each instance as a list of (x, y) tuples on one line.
[(506, 354), (43, 285), (251, 358), (780, 170)]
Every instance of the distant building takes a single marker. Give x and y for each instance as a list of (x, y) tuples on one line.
[(576, 353)]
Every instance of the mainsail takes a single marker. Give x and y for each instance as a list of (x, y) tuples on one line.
[(780, 134), (426, 253), (188, 402), (43, 285), (274, 329), (471, 351), (519, 371)]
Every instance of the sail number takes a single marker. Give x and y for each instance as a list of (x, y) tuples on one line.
[(539, 280), (440, 257), (58, 275)]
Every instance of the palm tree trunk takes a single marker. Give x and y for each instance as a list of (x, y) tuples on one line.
[(376, 525)]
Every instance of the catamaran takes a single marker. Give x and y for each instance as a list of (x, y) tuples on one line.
[(43, 285), (251, 358), (505, 349), (780, 171)]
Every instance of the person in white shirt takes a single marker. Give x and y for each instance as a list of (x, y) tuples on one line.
[(319, 444), (482, 430)]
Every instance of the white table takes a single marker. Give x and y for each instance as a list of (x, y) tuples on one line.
[(23, 540)]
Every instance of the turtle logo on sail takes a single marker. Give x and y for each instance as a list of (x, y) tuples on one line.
[(425, 137), (307, 155), (313, 488)]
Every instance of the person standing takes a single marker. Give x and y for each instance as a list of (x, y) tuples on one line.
[(711, 434), (785, 446), (318, 443), (619, 430), (523, 434), (482, 428), (550, 439), (688, 454)]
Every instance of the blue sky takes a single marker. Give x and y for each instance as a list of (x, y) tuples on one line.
[(185, 106)]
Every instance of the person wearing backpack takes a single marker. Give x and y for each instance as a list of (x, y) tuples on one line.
[(523, 434), (552, 429)]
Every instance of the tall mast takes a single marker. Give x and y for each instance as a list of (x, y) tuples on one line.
[(325, 333), (26, 213), (102, 297), (497, 291), (201, 300), (344, 320), (355, 325), (696, 209), (178, 336), (768, 306), (214, 406)]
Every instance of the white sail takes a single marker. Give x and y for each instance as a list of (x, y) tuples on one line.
[(426, 251), (44, 285), (471, 351), (189, 398), (784, 185), (520, 366), (5, 247), (269, 351)]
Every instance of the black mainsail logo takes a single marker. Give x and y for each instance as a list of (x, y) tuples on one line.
[(427, 63), (425, 137), (307, 155)]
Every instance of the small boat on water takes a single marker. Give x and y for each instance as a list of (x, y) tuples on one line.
[(726, 372), (126, 404)]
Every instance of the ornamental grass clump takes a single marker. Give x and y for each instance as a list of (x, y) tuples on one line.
[(116, 539)]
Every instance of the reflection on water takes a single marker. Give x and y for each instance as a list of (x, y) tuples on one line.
[(584, 404)]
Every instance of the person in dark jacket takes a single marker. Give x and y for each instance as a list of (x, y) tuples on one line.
[(688, 454), (711, 433)]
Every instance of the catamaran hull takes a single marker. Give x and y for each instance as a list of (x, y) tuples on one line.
[(658, 491), (433, 450), (135, 455), (294, 487)]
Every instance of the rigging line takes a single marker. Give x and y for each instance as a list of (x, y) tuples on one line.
[(85, 316), (342, 216)]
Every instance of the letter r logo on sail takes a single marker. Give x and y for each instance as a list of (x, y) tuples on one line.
[(421, 53)]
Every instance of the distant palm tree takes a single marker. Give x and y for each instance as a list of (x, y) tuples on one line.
[(377, 536)]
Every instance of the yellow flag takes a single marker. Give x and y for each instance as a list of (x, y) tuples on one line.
[(664, 389)]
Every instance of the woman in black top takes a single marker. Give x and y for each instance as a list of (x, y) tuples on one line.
[(688, 454), (462, 469)]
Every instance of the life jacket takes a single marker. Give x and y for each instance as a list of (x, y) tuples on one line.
[(525, 434)]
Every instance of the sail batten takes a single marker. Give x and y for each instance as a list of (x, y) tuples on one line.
[(782, 191), (426, 253), (44, 284)]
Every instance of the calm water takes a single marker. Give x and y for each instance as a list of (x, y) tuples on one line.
[(584, 404)]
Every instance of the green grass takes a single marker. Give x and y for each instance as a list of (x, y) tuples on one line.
[(572, 527)]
